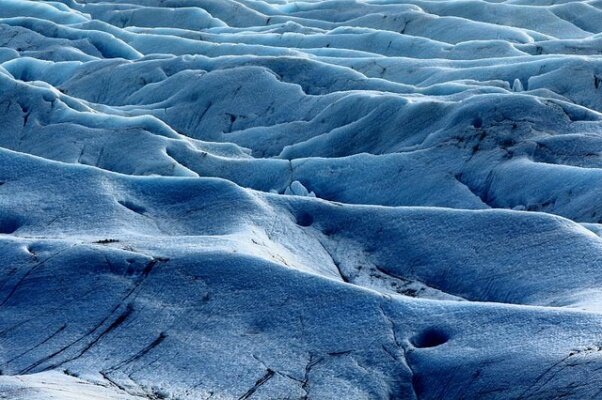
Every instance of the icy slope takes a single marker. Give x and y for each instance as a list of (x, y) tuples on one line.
[(300, 200)]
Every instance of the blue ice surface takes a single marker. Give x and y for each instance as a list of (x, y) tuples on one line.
[(243, 199)]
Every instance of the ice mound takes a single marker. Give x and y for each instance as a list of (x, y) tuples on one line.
[(247, 199)]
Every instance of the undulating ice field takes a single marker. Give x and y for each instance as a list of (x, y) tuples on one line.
[(263, 199)]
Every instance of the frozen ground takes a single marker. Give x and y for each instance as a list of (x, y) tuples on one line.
[(386, 199)]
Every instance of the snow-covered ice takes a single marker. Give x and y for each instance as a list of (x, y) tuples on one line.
[(272, 199)]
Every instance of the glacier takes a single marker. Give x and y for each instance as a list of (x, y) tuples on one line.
[(319, 199)]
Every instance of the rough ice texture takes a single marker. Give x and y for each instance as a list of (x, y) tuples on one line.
[(244, 199)]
